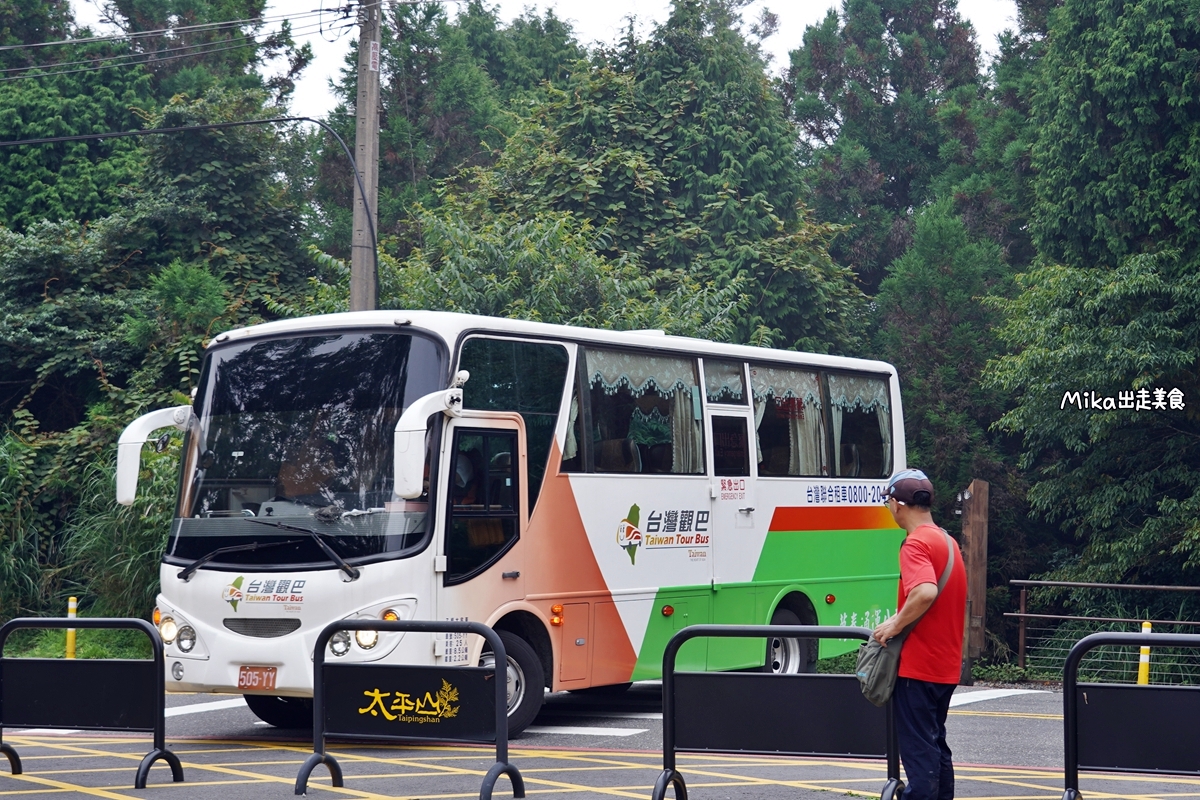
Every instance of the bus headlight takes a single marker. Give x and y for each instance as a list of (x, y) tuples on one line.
[(339, 643), (167, 629), (366, 639), (187, 638)]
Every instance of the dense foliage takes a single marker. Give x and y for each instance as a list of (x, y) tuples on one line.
[(1006, 236)]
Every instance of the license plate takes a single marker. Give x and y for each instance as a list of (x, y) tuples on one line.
[(256, 678)]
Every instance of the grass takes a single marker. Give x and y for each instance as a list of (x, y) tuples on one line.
[(839, 665), (103, 643)]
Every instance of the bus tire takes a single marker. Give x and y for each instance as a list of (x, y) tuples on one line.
[(282, 712), (786, 655), (526, 680)]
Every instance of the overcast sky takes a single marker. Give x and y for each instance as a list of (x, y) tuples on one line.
[(593, 21)]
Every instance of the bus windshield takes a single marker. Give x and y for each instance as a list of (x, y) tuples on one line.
[(299, 431)]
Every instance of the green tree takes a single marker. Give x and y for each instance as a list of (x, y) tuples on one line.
[(882, 95), (1118, 114), (679, 152), (1116, 177), (1123, 482), (106, 319), (444, 86), (26, 22), (70, 180), (188, 54), (544, 267)]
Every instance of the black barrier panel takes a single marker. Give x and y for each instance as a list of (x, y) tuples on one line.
[(1138, 728), (96, 694), (72, 693), (389, 702), (1127, 728), (800, 715), (344, 696), (763, 713)]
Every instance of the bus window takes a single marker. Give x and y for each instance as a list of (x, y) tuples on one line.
[(788, 420), (483, 501), (645, 413), (731, 449), (725, 382), (526, 377), (862, 426)]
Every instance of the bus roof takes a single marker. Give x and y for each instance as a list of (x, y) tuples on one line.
[(452, 326)]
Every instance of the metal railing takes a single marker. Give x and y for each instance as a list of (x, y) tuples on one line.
[(1045, 640)]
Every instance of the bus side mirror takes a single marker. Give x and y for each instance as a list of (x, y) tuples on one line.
[(129, 447), (409, 456)]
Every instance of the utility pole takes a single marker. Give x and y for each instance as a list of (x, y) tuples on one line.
[(366, 146)]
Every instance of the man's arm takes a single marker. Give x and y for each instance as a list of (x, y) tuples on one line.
[(919, 600)]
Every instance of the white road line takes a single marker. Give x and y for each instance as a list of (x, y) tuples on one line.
[(42, 731), (989, 694), (581, 731), (199, 708)]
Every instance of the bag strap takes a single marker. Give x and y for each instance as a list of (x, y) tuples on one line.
[(950, 548)]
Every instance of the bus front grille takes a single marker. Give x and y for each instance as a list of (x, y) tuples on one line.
[(262, 628)]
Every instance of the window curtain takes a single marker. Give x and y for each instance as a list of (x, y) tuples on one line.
[(724, 382), (857, 391), (687, 457), (805, 434), (671, 378), (571, 448), (611, 370)]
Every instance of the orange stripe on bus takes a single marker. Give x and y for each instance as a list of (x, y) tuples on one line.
[(835, 518)]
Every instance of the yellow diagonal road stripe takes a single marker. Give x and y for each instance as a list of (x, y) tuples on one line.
[(68, 787), (257, 777), (448, 770)]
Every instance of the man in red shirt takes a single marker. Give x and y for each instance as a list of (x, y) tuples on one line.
[(931, 661)]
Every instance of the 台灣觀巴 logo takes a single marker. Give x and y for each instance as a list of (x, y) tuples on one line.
[(628, 535), (233, 592)]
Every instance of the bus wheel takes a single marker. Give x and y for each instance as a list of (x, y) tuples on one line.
[(525, 681), (282, 712), (786, 655)]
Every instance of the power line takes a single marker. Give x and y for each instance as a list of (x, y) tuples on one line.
[(345, 10), (146, 56), (32, 73)]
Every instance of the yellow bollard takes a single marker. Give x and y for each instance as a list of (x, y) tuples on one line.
[(72, 605), (1144, 661)]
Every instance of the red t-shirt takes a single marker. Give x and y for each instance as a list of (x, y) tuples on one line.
[(933, 650)]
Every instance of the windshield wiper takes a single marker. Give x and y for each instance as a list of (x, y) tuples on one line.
[(186, 573), (316, 536)]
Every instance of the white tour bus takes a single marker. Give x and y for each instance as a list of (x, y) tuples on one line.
[(584, 492)]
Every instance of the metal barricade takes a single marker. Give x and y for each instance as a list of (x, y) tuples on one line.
[(348, 701), (1126, 727), (92, 694), (800, 715)]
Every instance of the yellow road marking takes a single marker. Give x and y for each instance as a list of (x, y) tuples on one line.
[(70, 787), (1020, 715)]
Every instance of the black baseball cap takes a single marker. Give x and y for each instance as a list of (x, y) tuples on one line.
[(910, 486)]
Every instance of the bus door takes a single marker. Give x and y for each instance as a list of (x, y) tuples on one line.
[(479, 558), (736, 540)]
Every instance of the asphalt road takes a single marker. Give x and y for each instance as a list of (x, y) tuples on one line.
[(584, 746), (986, 725)]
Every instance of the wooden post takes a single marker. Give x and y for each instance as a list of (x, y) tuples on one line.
[(974, 547)]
